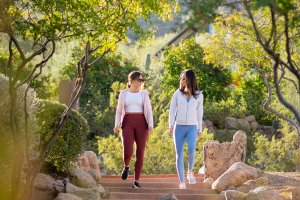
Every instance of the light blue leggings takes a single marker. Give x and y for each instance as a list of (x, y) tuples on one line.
[(182, 132)]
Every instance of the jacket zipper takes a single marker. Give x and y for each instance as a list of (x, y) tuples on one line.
[(187, 108)]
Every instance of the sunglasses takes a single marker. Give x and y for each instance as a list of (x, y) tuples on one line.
[(140, 80)]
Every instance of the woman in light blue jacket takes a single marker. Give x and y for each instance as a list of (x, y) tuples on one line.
[(185, 123)]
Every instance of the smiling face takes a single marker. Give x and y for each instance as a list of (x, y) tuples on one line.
[(137, 83), (183, 80)]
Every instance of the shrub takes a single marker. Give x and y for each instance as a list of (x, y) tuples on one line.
[(277, 154), (71, 138)]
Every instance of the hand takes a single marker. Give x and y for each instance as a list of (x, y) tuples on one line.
[(116, 130), (199, 136), (150, 130), (171, 129)]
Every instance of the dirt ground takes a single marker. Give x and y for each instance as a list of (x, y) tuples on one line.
[(281, 179), (285, 183)]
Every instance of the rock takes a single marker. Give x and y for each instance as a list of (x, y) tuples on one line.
[(231, 123), (209, 180), (67, 196), (44, 182), (254, 126), (296, 193), (44, 187), (236, 175), (59, 186), (262, 193), (167, 197), (252, 184), (250, 118), (85, 194), (211, 129), (243, 125), (209, 123), (234, 195), (219, 157), (204, 125), (82, 178), (88, 161)]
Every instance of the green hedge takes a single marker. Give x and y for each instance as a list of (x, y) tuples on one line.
[(70, 140)]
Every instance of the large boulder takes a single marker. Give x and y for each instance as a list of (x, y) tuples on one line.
[(67, 196), (234, 195), (250, 118), (88, 161), (264, 193), (44, 187), (235, 176), (243, 125), (231, 123), (218, 157), (84, 194), (252, 184), (82, 178)]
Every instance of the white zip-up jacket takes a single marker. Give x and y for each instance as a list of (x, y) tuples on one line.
[(183, 112)]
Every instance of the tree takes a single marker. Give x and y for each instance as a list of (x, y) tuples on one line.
[(283, 22), (189, 55), (272, 28), (98, 24), (264, 44)]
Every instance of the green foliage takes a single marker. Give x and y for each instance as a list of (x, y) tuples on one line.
[(218, 111), (6, 137), (110, 148), (5, 106), (189, 55), (71, 138), (94, 101), (277, 154), (83, 17), (44, 86)]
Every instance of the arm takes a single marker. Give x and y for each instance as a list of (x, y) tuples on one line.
[(172, 112), (200, 112), (118, 112), (149, 109)]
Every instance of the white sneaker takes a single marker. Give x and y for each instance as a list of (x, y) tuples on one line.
[(182, 186), (190, 177)]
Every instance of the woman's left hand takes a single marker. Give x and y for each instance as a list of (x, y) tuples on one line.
[(199, 135), (150, 130)]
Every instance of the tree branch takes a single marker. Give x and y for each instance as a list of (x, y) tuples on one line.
[(39, 65), (278, 92), (268, 103)]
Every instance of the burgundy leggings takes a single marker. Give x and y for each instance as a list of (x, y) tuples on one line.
[(134, 129)]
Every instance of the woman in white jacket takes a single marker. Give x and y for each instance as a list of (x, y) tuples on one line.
[(185, 123)]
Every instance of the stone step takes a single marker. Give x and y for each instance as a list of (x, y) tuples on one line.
[(148, 196), (161, 190), (119, 183), (145, 180), (152, 176)]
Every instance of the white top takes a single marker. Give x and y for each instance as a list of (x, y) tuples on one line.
[(134, 102), (186, 112)]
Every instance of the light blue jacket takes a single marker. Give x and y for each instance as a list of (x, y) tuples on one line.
[(185, 112)]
